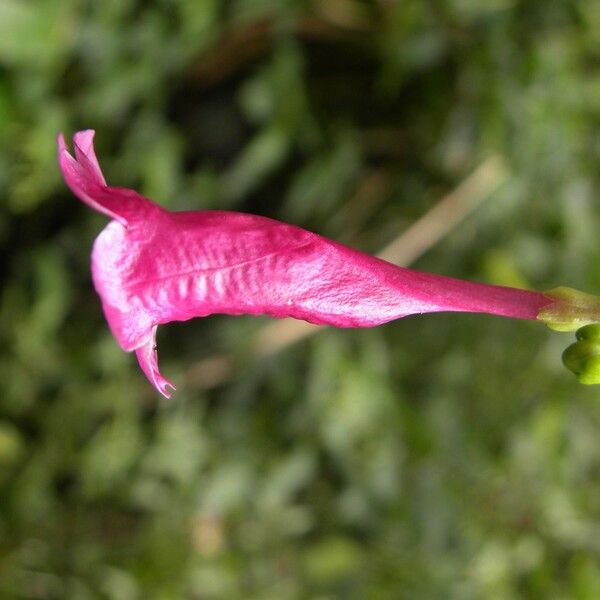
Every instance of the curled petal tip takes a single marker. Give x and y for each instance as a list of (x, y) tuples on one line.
[(148, 360), (163, 387), (83, 175), (83, 144), (85, 136)]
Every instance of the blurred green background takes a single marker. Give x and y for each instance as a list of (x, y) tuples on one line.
[(443, 456)]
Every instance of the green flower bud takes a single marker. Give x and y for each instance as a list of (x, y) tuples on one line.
[(589, 332), (583, 357)]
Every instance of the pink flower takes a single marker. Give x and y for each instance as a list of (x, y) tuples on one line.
[(151, 266)]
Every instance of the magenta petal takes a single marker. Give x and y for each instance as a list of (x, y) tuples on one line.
[(84, 177), (151, 267), (83, 143), (148, 359)]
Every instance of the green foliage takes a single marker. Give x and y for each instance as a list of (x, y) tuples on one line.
[(443, 456)]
